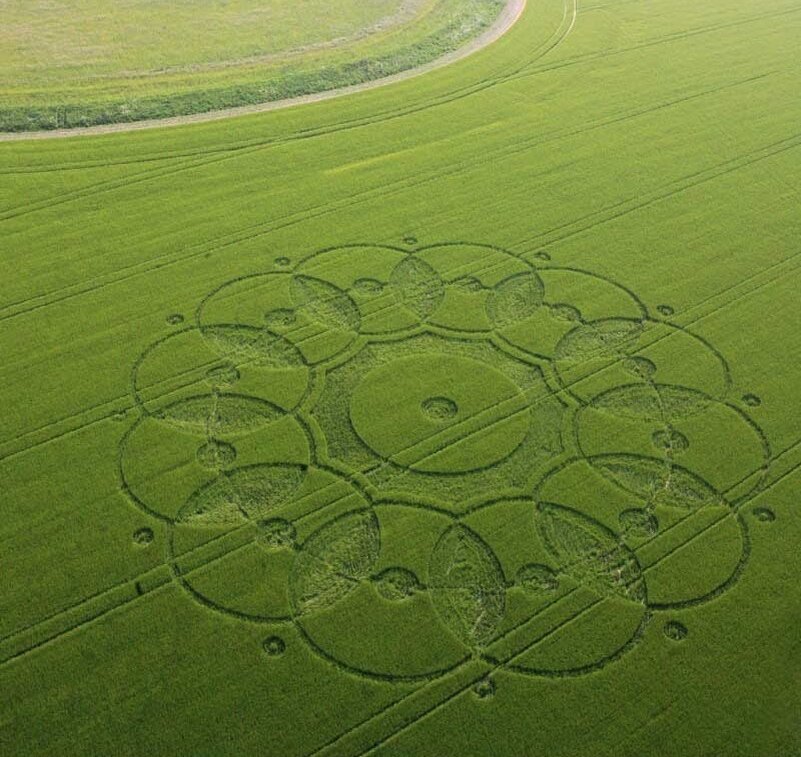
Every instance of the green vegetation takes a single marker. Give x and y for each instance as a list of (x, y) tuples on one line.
[(82, 64), (456, 417)]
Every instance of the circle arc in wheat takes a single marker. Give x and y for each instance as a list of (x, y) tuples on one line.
[(543, 443), (60, 122)]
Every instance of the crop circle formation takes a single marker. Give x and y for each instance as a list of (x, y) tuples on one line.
[(412, 458)]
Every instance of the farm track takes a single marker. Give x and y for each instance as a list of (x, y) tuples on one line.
[(123, 402), (604, 55), (566, 231), (235, 237), (199, 575), (569, 15), (132, 590), (164, 580), (257, 230), (131, 582), (159, 578), (505, 21), (528, 68)]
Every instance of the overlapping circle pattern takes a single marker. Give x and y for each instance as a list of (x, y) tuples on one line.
[(420, 455)]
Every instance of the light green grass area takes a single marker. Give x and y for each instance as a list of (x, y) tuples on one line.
[(457, 417), (83, 63)]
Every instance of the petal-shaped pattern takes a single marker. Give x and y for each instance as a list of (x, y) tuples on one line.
[(590, 553), (220, 413), (242, 494), (599, 339), (325, 303), (658, 482), (468, 585), (334, 560), (417, 286), (250, 344), (515, 299), (659, 402)]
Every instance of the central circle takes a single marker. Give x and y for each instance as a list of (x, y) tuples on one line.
[(439, 408), (438, 413)]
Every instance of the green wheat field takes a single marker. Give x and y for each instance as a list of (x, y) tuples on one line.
[(87, 62), (460, 417)]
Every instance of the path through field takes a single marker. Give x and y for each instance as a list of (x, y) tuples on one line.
[(507, 18), (457, 416)]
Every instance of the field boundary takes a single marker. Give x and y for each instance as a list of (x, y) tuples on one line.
[(509, 16)]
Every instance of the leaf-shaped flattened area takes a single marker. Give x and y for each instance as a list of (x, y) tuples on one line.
[(599, 339), (325, 303), (220, 413), (681, 401), (660, 402), (211, 506), (249, 344), (242, 494), (515, 299), (659, 482), (334, 560), (417, 286), (467, 586), (590, 553)]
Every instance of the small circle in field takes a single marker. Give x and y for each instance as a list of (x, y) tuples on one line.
[(368, 286), (223, 375), (641, 367), (216, 455), (537, 579), (752, 400), (143, 537), (396, 584), (410, 240), (764, 515), (282, 262), (638, 522), (276, 533), (439, 408), (484, 689), (666, 310), (281, 318), (675, 631), (468, 284), (565, 313), (175, 318), (274, 646), (670, 441), (542, 255)]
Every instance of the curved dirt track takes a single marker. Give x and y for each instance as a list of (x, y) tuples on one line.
[(505, 21)]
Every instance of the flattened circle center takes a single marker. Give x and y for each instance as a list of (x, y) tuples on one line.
[(439, 408), (439, 413)]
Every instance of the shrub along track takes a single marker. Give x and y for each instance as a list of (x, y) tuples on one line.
[(511, 13)]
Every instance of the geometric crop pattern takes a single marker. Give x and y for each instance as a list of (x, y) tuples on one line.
[(418, 457)]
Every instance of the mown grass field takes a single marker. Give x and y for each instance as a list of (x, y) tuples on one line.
[(86, 63), (455, 417)]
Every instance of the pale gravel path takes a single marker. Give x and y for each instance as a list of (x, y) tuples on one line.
[(505, 21)]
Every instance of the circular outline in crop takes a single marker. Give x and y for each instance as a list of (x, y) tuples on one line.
[(492, 338)]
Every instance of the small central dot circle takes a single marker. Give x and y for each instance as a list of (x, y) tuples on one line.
[(439, 408)]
